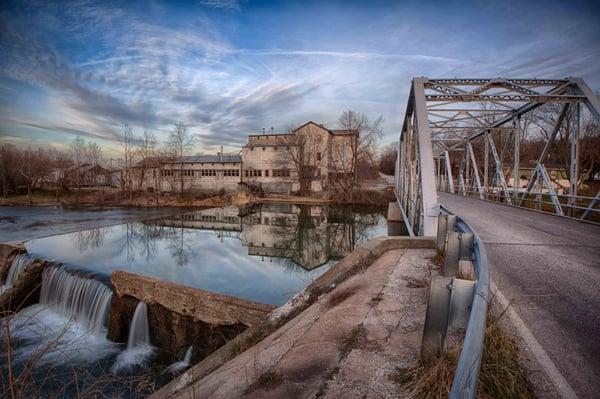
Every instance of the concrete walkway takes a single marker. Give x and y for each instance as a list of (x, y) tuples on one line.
[(550, 267), (346, 344)]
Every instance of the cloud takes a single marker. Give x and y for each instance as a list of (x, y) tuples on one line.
[(228, 4), (228, 74)]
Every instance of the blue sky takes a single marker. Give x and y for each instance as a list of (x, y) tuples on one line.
[(228, 68)]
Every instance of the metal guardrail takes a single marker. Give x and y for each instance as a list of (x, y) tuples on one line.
[(455, 301), (469, 362)]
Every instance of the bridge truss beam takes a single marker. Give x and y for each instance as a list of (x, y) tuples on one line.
[(463, 120)]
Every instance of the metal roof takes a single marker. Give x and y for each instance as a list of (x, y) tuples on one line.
[(209, 159)]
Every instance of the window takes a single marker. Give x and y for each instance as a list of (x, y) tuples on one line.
[(318, 156), (267, 173), (246, 173), (264, 148)]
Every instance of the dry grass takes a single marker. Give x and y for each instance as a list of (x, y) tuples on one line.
[(501, 375), (354, 339), (438, 258), (241, 345), (266, 381)]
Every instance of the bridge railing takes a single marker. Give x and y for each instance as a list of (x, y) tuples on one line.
[(459, 299), (579, 206)]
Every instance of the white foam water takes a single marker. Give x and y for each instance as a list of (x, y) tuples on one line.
[(139, 349), (68, 324), (17, 265), (85, 300), (181, 365)]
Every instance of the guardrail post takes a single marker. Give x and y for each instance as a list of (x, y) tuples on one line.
[(436, 317), (458, 248), (461, 300)]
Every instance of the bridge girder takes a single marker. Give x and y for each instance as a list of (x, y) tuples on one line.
[(446, 115)]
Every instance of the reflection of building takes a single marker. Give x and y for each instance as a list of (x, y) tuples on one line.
[(208, 219), (310, 236), (271, 161)]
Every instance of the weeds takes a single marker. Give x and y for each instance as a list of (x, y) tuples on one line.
[(501, 375), (352, 340), (438, 258), (376, 299), (266, 381), (240, 345)]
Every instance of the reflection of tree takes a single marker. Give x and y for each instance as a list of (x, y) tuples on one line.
[(180, 248), (88, 239), (141, 239), (310, 236)]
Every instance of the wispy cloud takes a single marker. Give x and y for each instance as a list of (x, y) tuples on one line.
[(228, 69)]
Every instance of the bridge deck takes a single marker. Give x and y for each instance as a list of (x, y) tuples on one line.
[(550, 266)]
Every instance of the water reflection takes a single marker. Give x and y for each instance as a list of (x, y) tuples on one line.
[(265, 254)]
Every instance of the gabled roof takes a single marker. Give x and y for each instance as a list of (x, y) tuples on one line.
[(209, 159), (335, 132)]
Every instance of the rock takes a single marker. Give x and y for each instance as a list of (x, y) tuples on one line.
[(200, 305), (26, 290)]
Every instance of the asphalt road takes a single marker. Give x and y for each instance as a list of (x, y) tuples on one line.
[(550, 267)]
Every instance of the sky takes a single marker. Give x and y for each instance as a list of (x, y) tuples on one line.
[(228, 68)]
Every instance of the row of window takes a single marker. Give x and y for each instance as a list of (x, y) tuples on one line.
[(200, 172), (207, 218), (261, 173), (274, 148)]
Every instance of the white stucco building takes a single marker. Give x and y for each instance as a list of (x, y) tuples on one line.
[(310, 158)]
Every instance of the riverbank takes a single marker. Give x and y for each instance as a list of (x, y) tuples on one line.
[(112, 197)]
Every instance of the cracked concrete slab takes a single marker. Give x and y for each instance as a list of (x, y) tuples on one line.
[(304, 358)]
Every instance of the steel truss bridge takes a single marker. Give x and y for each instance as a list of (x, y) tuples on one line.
[(466, 136), (471, 154)]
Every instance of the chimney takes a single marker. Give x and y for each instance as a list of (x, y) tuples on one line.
[(221, 154), (271, 129), (263, 130)]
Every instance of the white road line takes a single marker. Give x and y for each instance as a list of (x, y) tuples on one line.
[(554, 376)]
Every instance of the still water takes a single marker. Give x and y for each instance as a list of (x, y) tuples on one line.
[(267, 254)]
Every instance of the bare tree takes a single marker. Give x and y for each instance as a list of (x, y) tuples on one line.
[(77, 148), (8, 163), (179, 142), (387, 160), (33, 166), (129, 153), (146, 151), (369, 133), (61, 161), (304, 154)]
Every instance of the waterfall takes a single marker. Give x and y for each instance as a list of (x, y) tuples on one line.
[(82, 299), (138, 331), (181, 364), (16, 267), (138, 350)]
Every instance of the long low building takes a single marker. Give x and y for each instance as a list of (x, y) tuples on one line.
[(308, 159)]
